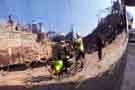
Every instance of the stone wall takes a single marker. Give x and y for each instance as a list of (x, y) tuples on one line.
[(13, 39), (19, 47)]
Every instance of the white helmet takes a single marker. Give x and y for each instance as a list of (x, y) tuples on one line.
[(77, 35), (62, 34)]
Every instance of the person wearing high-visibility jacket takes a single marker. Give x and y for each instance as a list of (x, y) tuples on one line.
[(62, 54), (79, 49), (62, 50), (57, 67)]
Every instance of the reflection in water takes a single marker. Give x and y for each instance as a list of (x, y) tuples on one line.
[(58, 15)]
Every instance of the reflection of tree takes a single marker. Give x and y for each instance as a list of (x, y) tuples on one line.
[(109, 27), (103, 12), (116, 7)]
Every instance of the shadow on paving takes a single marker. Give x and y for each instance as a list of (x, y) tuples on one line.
[(21, 67), (39, 79)]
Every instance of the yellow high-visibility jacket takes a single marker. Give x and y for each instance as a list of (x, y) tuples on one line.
[(79, 44), (58, 65)]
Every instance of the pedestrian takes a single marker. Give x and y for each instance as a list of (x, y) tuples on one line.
[(63, 54), (99, 45), (79, 49)]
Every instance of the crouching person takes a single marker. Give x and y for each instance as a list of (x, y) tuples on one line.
[(56, 68)]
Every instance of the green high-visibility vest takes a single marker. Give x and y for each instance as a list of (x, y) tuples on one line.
[(79, 44), (58, 65)]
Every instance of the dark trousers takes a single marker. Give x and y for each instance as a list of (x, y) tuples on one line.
[(66, 65), (80, 56), (100, 53)]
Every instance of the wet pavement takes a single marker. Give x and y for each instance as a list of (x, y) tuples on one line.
[(38, 78), (129, 74)]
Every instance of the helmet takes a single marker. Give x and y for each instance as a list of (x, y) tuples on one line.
[(77, 35), (62, 34), (62, 41)]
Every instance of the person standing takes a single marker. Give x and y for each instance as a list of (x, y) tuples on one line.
[(99, 45), (62, 54), (79, 49)]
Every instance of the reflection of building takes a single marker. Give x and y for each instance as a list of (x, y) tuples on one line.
[(40, 26), (34, 28), (37, 27)]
